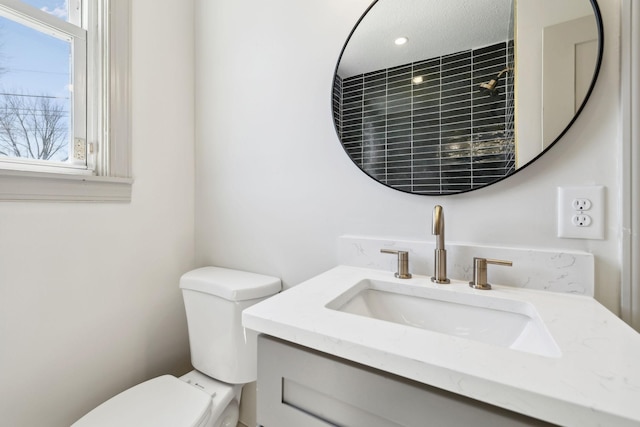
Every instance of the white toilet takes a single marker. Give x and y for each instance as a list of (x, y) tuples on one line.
[(223, 354)]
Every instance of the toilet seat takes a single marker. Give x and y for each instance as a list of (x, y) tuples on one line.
[(164, 401)]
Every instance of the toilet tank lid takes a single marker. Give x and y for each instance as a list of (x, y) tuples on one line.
[(232, 285)]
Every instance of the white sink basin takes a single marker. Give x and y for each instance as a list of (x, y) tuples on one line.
[(469, 314)]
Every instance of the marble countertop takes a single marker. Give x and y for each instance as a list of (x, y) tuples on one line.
[(595, 381)]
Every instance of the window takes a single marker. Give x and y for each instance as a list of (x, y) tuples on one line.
[(64, 116)]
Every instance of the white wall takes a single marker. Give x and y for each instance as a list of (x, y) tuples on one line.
[(89, 299), (274, 189), (89, 303)]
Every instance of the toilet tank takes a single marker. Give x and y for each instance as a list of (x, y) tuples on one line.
[(214, 298)]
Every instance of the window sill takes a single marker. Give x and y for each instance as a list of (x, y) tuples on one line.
[(56, 187)]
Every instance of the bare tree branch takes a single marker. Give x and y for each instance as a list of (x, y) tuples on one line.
[(32, 127)]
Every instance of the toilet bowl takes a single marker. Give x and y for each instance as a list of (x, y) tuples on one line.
[(223, 354)]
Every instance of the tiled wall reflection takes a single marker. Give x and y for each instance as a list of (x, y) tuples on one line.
[(440, 135)]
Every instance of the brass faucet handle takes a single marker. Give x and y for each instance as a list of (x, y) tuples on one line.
[(480, 271), (498, 262), (403, 263)]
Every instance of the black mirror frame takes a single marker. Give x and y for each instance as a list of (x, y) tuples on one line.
[(600, 28)]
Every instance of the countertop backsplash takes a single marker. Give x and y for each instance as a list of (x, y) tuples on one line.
[(543, 269)]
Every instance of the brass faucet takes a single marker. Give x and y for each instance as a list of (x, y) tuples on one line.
[(440, 254), (480, 271), (403, 263)]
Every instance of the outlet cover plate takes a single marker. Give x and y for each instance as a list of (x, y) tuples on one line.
[(566, 212)]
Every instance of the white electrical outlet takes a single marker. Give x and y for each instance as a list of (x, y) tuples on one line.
[(581, 204), (581, 212), (581, 220)]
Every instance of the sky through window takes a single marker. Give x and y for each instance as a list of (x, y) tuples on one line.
[(34, 76)]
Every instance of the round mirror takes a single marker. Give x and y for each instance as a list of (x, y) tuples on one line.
[(441, 97)]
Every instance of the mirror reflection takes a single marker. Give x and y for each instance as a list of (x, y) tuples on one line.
[(434, 97)]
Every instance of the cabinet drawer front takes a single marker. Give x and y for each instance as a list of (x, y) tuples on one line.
[(298, 387)]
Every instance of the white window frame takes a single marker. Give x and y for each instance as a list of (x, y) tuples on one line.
[(108, 123)]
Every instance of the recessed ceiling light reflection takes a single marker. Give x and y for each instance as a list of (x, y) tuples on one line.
[(417, 80), (401, 40)]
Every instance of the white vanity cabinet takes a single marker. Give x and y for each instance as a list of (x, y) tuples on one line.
[(337, 366), (298, 386)]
